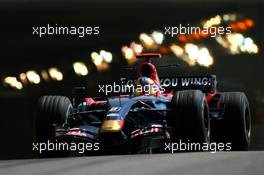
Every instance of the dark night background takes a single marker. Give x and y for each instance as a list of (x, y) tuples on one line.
[(120, 23)]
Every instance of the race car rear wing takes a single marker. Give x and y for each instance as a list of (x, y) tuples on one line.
[(206, 84)]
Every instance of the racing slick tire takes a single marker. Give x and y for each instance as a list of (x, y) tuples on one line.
[(235, 125), (190, 116), (51, 110)]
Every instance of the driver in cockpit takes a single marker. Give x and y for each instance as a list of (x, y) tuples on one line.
[(148, 82)]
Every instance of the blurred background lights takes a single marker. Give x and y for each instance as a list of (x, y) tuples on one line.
[(107, 56), (44, 74), (157, 37), (137, 48), (80, 68), (127, 52), (13, 82), (177, 50), (249, 22), (23, 78), (55, 74), (33, 77), (204, 58), (102, 59), (96, 58), (236, 43), (191, 50), (235, 39), (193, 54), (229, 17), (146, 40), (212, 22), (249, 46), (221, 41)]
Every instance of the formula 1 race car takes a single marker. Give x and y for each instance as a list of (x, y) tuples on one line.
[(186, 109)]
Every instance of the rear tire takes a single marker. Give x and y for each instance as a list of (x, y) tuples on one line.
[(51, 110), (190, 116), (235, 126)]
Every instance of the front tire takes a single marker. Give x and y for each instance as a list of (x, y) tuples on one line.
[(190, 116), (51, 110), (235, 126)]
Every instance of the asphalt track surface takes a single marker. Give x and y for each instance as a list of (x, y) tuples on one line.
[(220, 163)]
